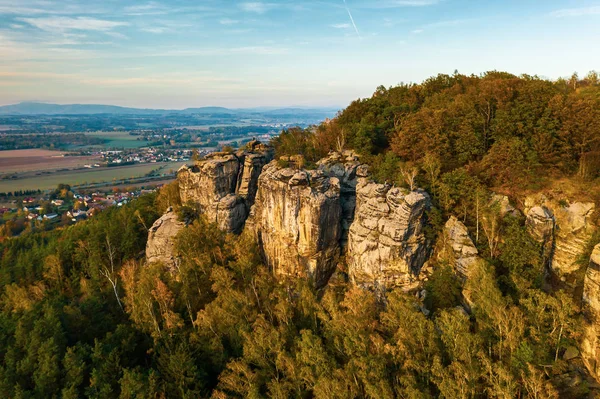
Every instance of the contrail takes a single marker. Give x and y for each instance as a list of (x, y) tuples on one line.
[(352, 20)]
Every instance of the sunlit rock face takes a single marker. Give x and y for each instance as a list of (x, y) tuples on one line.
[(296, 219), (590, 346), (456, 247), (540, 224), (563, 231), (224, 185), (160, 247), (386, 244), (573, 231)]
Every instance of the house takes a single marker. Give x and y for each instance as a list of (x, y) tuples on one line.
[(50, 216), (58, 202), (32, 216)]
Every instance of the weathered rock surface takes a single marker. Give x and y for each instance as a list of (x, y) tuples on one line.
[(540, 224), (160, 247), (224, 185), (573, 230), (386, 245), (457, 247), (590, 347), (347, 167), (296, 218), (504, 206)]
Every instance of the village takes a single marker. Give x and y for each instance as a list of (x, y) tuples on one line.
[(61, 207)]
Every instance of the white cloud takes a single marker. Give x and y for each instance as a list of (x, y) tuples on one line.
[(16, 26), (398, 3), (417, 31), (156, 30), (341, 26), (229, 21), (256, 7), (576, 12), (62, 24)]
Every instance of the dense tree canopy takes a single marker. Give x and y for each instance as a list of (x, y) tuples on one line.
[(82, 315)]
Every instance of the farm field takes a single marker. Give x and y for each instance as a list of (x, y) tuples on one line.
[(117, 140), (87, 176), (36, 159)]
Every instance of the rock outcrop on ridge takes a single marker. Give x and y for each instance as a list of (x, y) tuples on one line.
[(296, 218), (347, 167), (224, 185), (160, 247), (590, 346), (456, 246), (386, 243)]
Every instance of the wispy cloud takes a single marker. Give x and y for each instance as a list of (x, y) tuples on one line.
[(341, 26), (156, 30), (256, 7), (63, 24), (151, 8), (441, 24), (228, 21), (398, 3), (576, 12)]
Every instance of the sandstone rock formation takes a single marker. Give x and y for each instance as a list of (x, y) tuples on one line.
[(386, 245), (347, 167), (224, 185), (540, 224), (296, 219), (590, 347), (160, 247), (573, 230), (504, 205), (457, 247)]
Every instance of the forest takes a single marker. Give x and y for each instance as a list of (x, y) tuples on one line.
[(82, 315)]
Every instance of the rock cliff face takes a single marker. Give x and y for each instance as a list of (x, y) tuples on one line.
[(540, 224), (296, 219), (563, 232), (590, 347), (457, 247), (161, 240), (224, 185), (386, 245), (573, 230), (347, 168)]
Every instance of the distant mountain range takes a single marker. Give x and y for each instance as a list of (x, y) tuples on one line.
[(37, 108)]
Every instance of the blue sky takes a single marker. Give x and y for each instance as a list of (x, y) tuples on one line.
[(178, 53)]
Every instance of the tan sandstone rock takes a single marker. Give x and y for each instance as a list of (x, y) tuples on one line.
[(458, 248), (224, 185), (386, 245), (573, 230), (296, 218), (160, 247), (590, 347)]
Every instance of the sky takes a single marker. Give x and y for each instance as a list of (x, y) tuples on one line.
[(178, 53)]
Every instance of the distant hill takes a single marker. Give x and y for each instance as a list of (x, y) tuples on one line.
[(37, 108)]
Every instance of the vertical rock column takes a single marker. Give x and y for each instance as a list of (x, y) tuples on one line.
[(386, 244), (590, 346), (296, 218)]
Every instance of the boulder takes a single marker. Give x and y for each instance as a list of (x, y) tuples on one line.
[(386, 244)]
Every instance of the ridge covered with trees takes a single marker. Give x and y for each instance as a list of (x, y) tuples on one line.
[(82, 315)]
